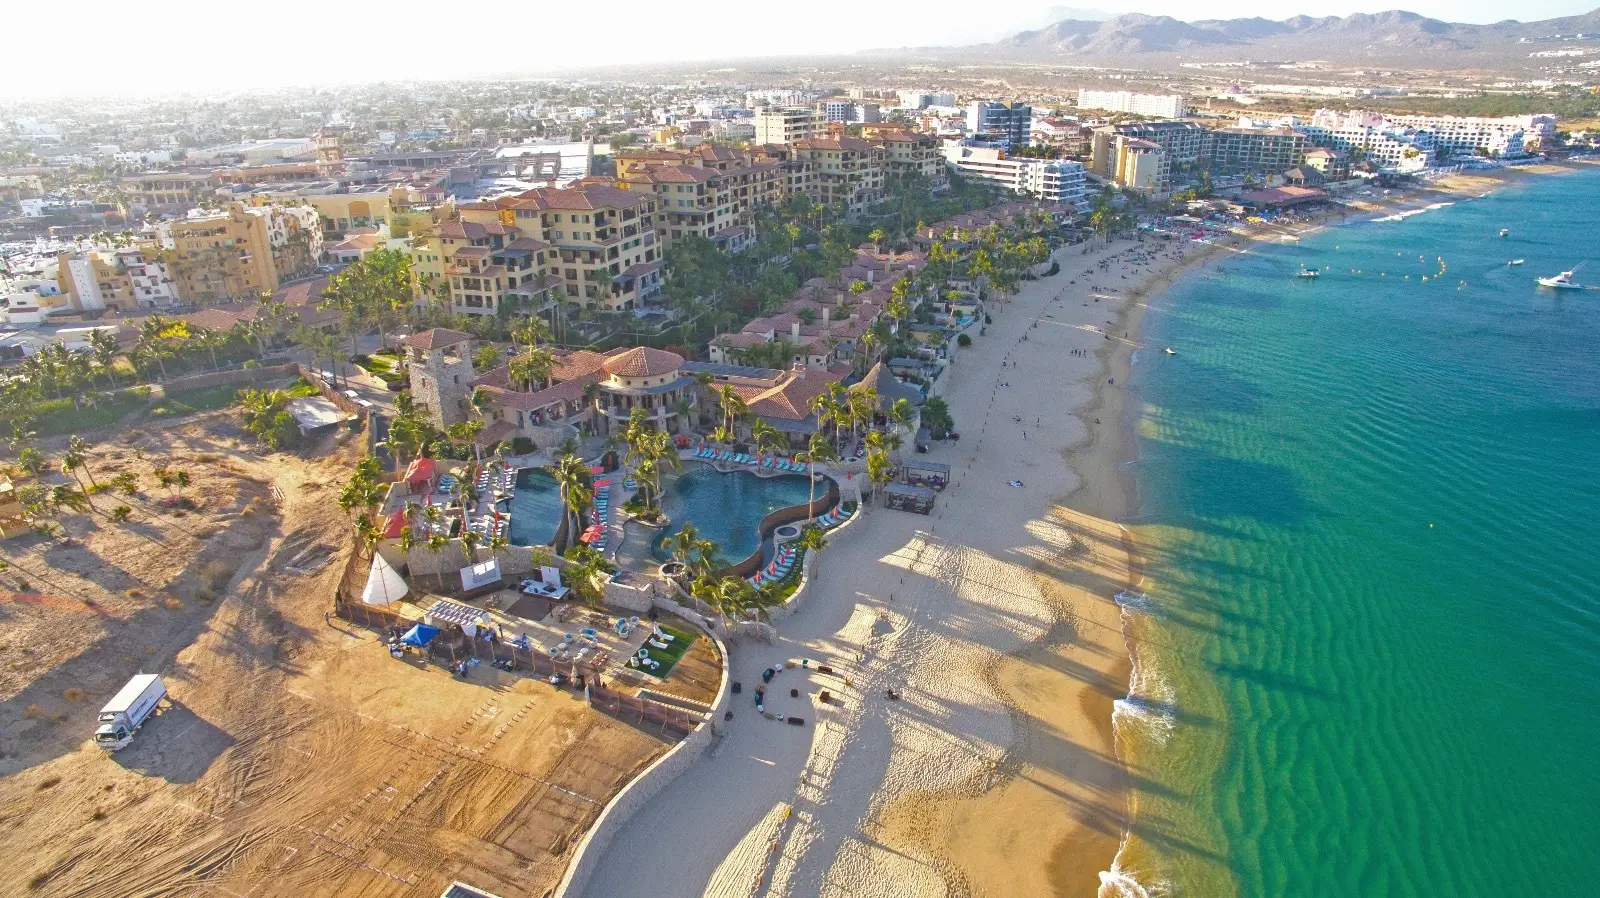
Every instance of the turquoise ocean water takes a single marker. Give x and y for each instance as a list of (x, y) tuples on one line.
[(1369, 650)]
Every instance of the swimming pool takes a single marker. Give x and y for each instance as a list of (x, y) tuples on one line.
[(535, 508), (727, 507)]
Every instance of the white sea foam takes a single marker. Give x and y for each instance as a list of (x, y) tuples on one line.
[(1120, 882), (1151, 698)]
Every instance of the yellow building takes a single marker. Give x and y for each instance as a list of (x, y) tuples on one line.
[(847, 172), (242, 251), (487, 264), (164, 191), (909, 152), (606, 250), (1138, 164), (710, 191)]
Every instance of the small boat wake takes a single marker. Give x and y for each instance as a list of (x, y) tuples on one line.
[(1402, 216)]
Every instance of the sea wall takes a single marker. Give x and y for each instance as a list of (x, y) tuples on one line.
[(591, 849)]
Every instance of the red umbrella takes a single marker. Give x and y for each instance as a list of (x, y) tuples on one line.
[(592, 534)]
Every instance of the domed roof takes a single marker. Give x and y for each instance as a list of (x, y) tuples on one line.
[(642, 361)]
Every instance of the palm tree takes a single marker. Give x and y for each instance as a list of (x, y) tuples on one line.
[(497, 543), (78, 447), (682, 544), (437, 542), (819, 449), (103, 347), (572, 477), (767, 439), (879, 468), (903, 413), (408, 541), (812, 540), (470, 539), (532, 368), (733, 405), (730, 594)]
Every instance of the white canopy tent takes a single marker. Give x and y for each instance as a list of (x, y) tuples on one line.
[(384, 583)]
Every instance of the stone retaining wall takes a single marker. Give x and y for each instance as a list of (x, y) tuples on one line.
[(587, 855)]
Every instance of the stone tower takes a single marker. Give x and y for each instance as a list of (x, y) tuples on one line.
[(440, 362)]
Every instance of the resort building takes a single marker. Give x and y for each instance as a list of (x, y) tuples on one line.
[(1270, 150), (710, 191), (126, 280), (590, 245), (1052, 180), (1334, 165), (489, 267), (1182, 145), (909, 153), (158, 192), (1008, 124), (241, 251), (1152, 105), (785, 124), (847, 172), (1452, 135), (780, 398), (1367, 137), (439, 362)]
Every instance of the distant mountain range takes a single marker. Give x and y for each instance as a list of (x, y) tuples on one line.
[(1394, 38)]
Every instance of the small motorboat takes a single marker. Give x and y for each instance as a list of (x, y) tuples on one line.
[(1516, 261), (1562, 281), (1170, 351), (1308, 273), (1505, 232)]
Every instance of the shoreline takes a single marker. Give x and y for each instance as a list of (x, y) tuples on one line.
[(997, 769), (1451, 188), (1107, 453)]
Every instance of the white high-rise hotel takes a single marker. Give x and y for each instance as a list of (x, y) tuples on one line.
[(1153, 105), (1452, 135)]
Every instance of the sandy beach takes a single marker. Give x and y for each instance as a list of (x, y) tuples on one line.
[(993, 618), (996, 771)]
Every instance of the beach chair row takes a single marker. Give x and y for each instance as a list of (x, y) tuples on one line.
[(771, 463), (778, 568)]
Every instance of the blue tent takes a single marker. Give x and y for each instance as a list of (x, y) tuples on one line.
[(420, 635)]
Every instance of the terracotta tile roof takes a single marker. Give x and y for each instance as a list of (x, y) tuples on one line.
[(683, 174), (577, 363), (213, 319), (527, 243), (584, 197), (742, 340), (499, 378), (495, 432), (851, 144), (302, 293), (436, 338), (566, 391), (642, 361), (791, 398)]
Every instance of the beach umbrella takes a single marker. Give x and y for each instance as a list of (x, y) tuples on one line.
[(592, 534)]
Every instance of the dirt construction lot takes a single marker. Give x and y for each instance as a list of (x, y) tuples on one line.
[(296, 757)]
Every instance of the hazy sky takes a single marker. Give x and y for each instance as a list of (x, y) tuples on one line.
[(101, 46)]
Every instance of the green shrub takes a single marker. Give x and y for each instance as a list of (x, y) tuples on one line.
[(522, 446), (963, 340)]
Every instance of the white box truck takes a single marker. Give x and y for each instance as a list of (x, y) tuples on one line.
[(121, 716)]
